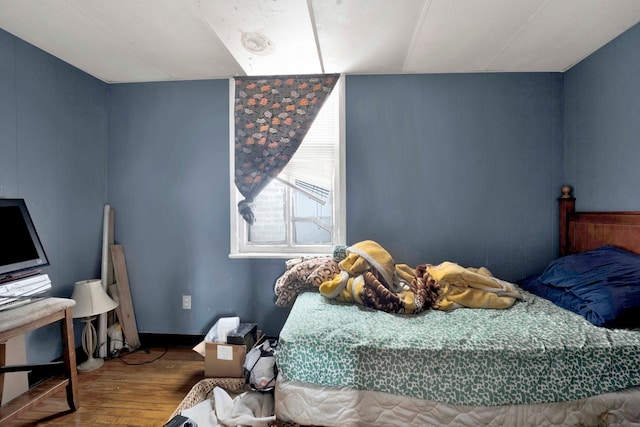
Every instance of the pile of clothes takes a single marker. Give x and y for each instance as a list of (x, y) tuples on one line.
[(253, 407)]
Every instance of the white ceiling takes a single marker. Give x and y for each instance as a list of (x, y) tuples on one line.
[(157, 40)]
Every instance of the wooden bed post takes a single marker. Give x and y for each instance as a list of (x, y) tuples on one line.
[(567, 205)]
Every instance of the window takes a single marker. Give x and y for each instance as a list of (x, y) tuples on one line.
[(301, 211)]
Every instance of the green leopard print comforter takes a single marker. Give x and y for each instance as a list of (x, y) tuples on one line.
[(533, 352)]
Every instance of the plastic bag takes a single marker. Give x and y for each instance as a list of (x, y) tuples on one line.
[(260, 368)]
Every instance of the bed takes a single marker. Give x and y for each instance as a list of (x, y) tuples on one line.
[(535, 363)]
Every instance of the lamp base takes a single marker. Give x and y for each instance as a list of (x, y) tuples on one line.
[(89, 346), (90, 364)]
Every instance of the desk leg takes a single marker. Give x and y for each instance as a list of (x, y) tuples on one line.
[(70, 368), (3, 360)]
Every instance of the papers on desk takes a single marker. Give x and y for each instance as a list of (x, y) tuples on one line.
[(23, 291)]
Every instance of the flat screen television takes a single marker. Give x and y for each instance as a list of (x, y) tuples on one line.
[(21, 250)]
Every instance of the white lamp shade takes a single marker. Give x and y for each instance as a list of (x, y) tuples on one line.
[(91, 299)]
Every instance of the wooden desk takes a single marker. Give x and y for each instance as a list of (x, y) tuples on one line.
[(31, 316)]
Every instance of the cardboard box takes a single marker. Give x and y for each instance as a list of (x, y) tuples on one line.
[(224, 360)]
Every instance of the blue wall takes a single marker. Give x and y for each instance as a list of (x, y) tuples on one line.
[(53, 147), (460, 167), (602, 126)]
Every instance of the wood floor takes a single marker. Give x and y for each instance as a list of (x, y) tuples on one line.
[(140, 389)]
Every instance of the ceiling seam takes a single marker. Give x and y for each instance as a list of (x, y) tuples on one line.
[(312, 17), (418, 28), (515, 35)]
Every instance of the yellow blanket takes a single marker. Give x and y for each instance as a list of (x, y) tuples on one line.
[(471, 287), (369, 276)]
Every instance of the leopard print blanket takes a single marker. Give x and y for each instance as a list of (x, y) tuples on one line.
[(304, 274)]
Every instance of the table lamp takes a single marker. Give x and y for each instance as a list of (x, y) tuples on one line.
[(91, 300)]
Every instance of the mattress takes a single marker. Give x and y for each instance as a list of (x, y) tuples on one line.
[(533, 352), (310, 404)]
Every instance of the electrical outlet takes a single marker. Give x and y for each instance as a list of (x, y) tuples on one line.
[(186, 302)]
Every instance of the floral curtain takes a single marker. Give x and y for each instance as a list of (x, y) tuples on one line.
[(272, 116)]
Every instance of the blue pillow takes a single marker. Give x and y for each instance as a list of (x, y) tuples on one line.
[(607, 265), (603, 285)]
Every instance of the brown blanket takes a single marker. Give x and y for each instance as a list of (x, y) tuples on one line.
[(420, 296)]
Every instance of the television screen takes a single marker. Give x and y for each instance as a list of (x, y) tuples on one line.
[(20, 246)]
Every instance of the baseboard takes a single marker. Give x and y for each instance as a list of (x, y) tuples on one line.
[(169, 340)]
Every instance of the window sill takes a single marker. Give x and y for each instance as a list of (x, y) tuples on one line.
[(274, 255)]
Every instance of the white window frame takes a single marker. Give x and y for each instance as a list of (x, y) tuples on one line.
[(239, 247)]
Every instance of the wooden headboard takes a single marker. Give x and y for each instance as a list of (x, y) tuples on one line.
[(582, 231)]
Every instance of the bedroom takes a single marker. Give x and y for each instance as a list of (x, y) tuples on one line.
[(155, 151)]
